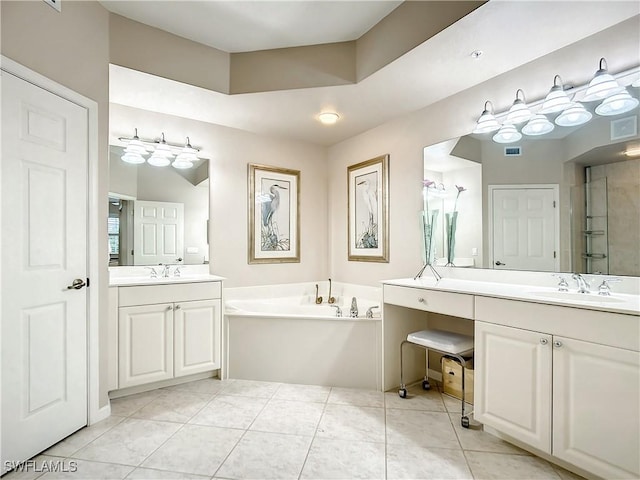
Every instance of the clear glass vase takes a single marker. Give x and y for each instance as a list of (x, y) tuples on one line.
[(451, 220)]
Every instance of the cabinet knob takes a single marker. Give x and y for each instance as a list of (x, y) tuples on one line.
[(177, 307), (544, 341), (557, 343), (421, 300), (170, 307)]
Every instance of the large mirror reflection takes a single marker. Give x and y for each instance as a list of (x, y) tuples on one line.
[(157, 214), (566, 201)]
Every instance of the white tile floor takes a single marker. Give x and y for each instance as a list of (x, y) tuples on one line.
[(241, 429)]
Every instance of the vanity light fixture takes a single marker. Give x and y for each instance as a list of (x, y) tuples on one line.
[(507, 134), (487, 122), (161, 152), (519, 112), (538, 125), (134, 151), (557, 99), (602, 85), (162, 155), (328, 118), (186, 157), (617, 103), (573, 116)]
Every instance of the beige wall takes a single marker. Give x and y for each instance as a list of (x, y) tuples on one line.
[(230, 150), (72, 48)]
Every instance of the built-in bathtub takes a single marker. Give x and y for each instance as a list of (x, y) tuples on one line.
[(278, 333)]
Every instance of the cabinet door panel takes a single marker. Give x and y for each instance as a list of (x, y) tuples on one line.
[(513, 382), (596, 408), (145, 344), (197, 336)]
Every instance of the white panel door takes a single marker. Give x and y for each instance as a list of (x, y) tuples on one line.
[(44, 238), (524, 235), (596, 408), (145, 344), (513, 382), (197, 329), (158, 232)]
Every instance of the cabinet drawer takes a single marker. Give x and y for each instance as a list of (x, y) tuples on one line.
[(447, 303), (177, 292)]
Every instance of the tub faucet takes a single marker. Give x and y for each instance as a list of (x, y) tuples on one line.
[(330, 299), (583, 286), (338, 310), (318, 299), (353, 311)]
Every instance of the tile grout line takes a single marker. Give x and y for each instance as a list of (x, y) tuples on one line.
[(313, 438)]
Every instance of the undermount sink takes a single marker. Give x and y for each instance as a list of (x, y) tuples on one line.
[(578, 297)]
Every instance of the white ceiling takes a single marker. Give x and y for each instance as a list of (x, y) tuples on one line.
[(244, 26), (434, 70)]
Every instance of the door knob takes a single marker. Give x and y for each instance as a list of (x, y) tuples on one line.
[(500, 263), (557, 343), (543, 341), (77, 284)]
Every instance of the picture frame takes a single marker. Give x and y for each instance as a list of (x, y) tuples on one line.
[(368, 210), (274, 215)]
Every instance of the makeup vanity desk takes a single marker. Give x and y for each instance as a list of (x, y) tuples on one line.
[(556, 373)]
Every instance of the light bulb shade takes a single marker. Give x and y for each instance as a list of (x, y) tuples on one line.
[(487, 122), (328, 118), (507, 134), (602, 85), (556, 100), (538, 125), (182, 163), (519, 112), (158, 160), (164, 150), (136, 146), (616, 104), (573, 116), (134, 158), (636, 83)]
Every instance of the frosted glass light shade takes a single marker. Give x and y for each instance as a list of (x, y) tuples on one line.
[(135, 146), (182, 163), (133, 158), (158, 160), (602, 85), (519, 112), (328, 118), (573, 116), (507, 134), (557, 99), (538, 125), (616, 104), (487, 122)]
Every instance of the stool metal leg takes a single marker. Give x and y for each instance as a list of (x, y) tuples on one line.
[(403, 389)]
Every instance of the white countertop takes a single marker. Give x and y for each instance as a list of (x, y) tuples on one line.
[(130, 276), (616, 303)]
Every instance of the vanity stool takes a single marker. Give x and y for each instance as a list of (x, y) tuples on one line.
[(448, 343)]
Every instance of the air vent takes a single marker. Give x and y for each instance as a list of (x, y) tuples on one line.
[(624, 127), (512, 151)]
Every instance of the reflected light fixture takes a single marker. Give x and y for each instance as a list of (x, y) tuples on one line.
[(507, 134), (186, 157), (632, 152), (487, 122), (519, 112), (557, 99), (134, 150), (328, 118), (617, 103), (602, 85), (573, 116), (538, 125)]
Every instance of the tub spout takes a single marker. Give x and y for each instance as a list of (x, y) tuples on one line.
[(353, 311), (318, 299), (330, 299)]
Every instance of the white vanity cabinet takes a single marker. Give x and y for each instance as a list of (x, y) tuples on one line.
[(166, 331), (573, 398)]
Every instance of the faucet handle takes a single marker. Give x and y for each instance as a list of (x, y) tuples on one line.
[(153, 273), (176, 271), (369, 313), (604, 288), (338, 310), (563, 286)]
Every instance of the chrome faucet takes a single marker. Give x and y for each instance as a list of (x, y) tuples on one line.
[(583, 285), (563, 286), (605, 289), (338, 310), (369, 313), (166, 269), (353, 311), (153, 273)]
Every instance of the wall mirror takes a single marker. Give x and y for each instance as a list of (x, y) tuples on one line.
[(565, 201), (157, 214)]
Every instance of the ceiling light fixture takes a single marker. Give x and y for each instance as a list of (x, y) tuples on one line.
[(538, 125), (519, 112), (507, 134), (602, 85), (161, 152), (328, 118), (557, 99), (632, 152), (487, 122)]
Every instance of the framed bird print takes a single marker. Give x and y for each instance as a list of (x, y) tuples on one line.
[(274, 228), (368, 210)]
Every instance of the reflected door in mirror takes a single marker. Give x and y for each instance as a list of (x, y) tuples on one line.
[(158, 232)]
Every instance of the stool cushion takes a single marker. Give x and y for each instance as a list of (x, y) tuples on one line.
[(448, 342)]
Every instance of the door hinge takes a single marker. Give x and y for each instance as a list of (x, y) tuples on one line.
[(88, 283), (554, 204), (554, 254), (132, 253)]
